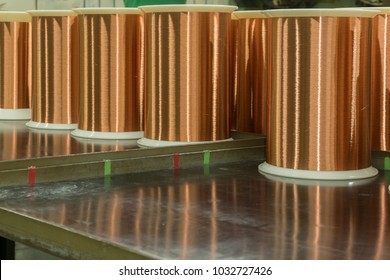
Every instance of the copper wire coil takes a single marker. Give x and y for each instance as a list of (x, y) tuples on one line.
[(187, 73), (55, 67), (112, 70), (380, 90), (14, 60), (233, 74), (252, 72), (319, 102)]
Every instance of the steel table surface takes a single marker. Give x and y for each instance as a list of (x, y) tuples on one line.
[(224, 211), (17, 142)]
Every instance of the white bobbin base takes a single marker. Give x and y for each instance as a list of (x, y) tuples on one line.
[(319, 183), (15, 114), (54, 126), (318, 175), (150, 143), (107, 135)]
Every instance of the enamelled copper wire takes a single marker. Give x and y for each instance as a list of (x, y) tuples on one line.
[(187, 72), (111, 77), (233, 73), (252, 71), (380, 90), (55, 70), (14, 63), (319, 102)]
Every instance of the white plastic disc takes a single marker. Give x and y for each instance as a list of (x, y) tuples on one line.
[(55, 126), (94, 141), (107, 135), (319, 183), (15, 114), (318, 175), (146, 142)]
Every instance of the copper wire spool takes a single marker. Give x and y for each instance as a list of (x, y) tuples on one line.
[(233, 74), (380, 90), (187, 73), (55, 70), (252, 71), (14, 65), (318, 114), (111, 76)]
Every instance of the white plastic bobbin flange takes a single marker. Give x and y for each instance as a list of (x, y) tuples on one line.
[(107, 135), (150, 143), (319, 183), (318, 175), (49, 126), (15, 114)]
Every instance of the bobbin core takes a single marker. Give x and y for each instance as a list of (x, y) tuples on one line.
[(318, 175), (150, 143), (107, 135), (15, 114), (56, 126)]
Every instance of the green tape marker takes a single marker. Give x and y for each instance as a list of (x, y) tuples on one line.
[(107, 167), (206, 158), (387, 163)]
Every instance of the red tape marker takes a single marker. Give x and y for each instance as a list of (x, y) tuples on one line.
[(32, 171), (176, 161)]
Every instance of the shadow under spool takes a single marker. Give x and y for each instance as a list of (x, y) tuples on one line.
[(380, 90), (318, 115), (187, 50), (111, 77), (55, 70), (15, 66), (252, 81)]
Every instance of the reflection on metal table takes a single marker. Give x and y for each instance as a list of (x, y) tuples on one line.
[(59, 156), (17, 142), (221, 211)]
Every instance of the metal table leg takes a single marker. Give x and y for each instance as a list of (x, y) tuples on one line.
[(7, 251)]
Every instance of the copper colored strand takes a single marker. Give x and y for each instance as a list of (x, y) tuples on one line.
[(14, 66), (233, 75), (380, 90), (111, 58), (55, 69), (252, 75), (187, 74), (319, 106)]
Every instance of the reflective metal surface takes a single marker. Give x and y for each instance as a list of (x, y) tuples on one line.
[(18, 142), (227, 211)]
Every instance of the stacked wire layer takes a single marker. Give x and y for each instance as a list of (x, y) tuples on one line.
[(319, 104), (55, 84), (111, 74), (15, 81), (187, 73)]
